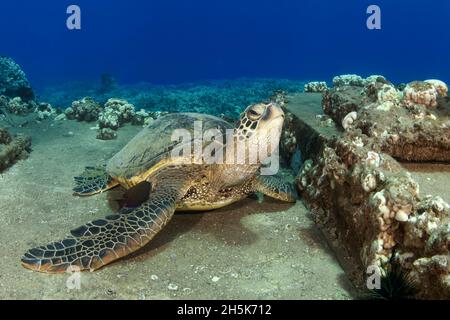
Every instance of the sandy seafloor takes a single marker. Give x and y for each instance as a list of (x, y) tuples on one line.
[(250, 250)]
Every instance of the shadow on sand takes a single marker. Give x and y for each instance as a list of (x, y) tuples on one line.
[(224, 224)]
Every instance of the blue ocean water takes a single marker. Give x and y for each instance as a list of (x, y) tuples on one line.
[(176, 41)]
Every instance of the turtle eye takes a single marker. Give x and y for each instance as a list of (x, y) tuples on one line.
[(253, 114)]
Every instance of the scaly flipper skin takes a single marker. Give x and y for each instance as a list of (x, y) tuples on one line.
[(93, 180), (100, 242), (275, 187)]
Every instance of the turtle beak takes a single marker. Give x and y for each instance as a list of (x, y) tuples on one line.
[(276, 111)]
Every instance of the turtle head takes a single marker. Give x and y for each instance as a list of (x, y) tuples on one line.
[(260, 125), (260, 118)]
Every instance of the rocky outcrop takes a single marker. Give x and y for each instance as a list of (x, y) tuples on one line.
[(366, 202), (367, 205), (411, 125)]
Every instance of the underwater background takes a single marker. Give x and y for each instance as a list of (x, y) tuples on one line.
[(173, 42), (71, 99)]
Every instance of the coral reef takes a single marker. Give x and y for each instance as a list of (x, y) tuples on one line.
[(12, 148), (13, 81), (217, 97), (364, 201), (316, 86), (373, 206), (85, 109)]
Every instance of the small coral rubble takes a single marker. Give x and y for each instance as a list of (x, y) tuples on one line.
[(106, 134), (12, 148)]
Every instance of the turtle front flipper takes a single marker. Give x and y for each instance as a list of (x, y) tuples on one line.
[(93, 180), (275, 187), (100, 242)]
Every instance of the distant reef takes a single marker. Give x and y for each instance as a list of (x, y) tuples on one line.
[(226, 97)]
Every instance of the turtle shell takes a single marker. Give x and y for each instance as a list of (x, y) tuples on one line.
[(154, 144)]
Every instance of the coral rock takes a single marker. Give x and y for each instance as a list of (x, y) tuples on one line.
[(440, 86), (316, 87), (116, 113), (85, 109), (419, 92)]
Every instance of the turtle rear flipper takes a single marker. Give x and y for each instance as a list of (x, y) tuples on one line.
[(93, 180), (275, 187), (100, 242)]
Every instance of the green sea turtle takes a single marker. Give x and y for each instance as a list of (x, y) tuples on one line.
[(177, 183)]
